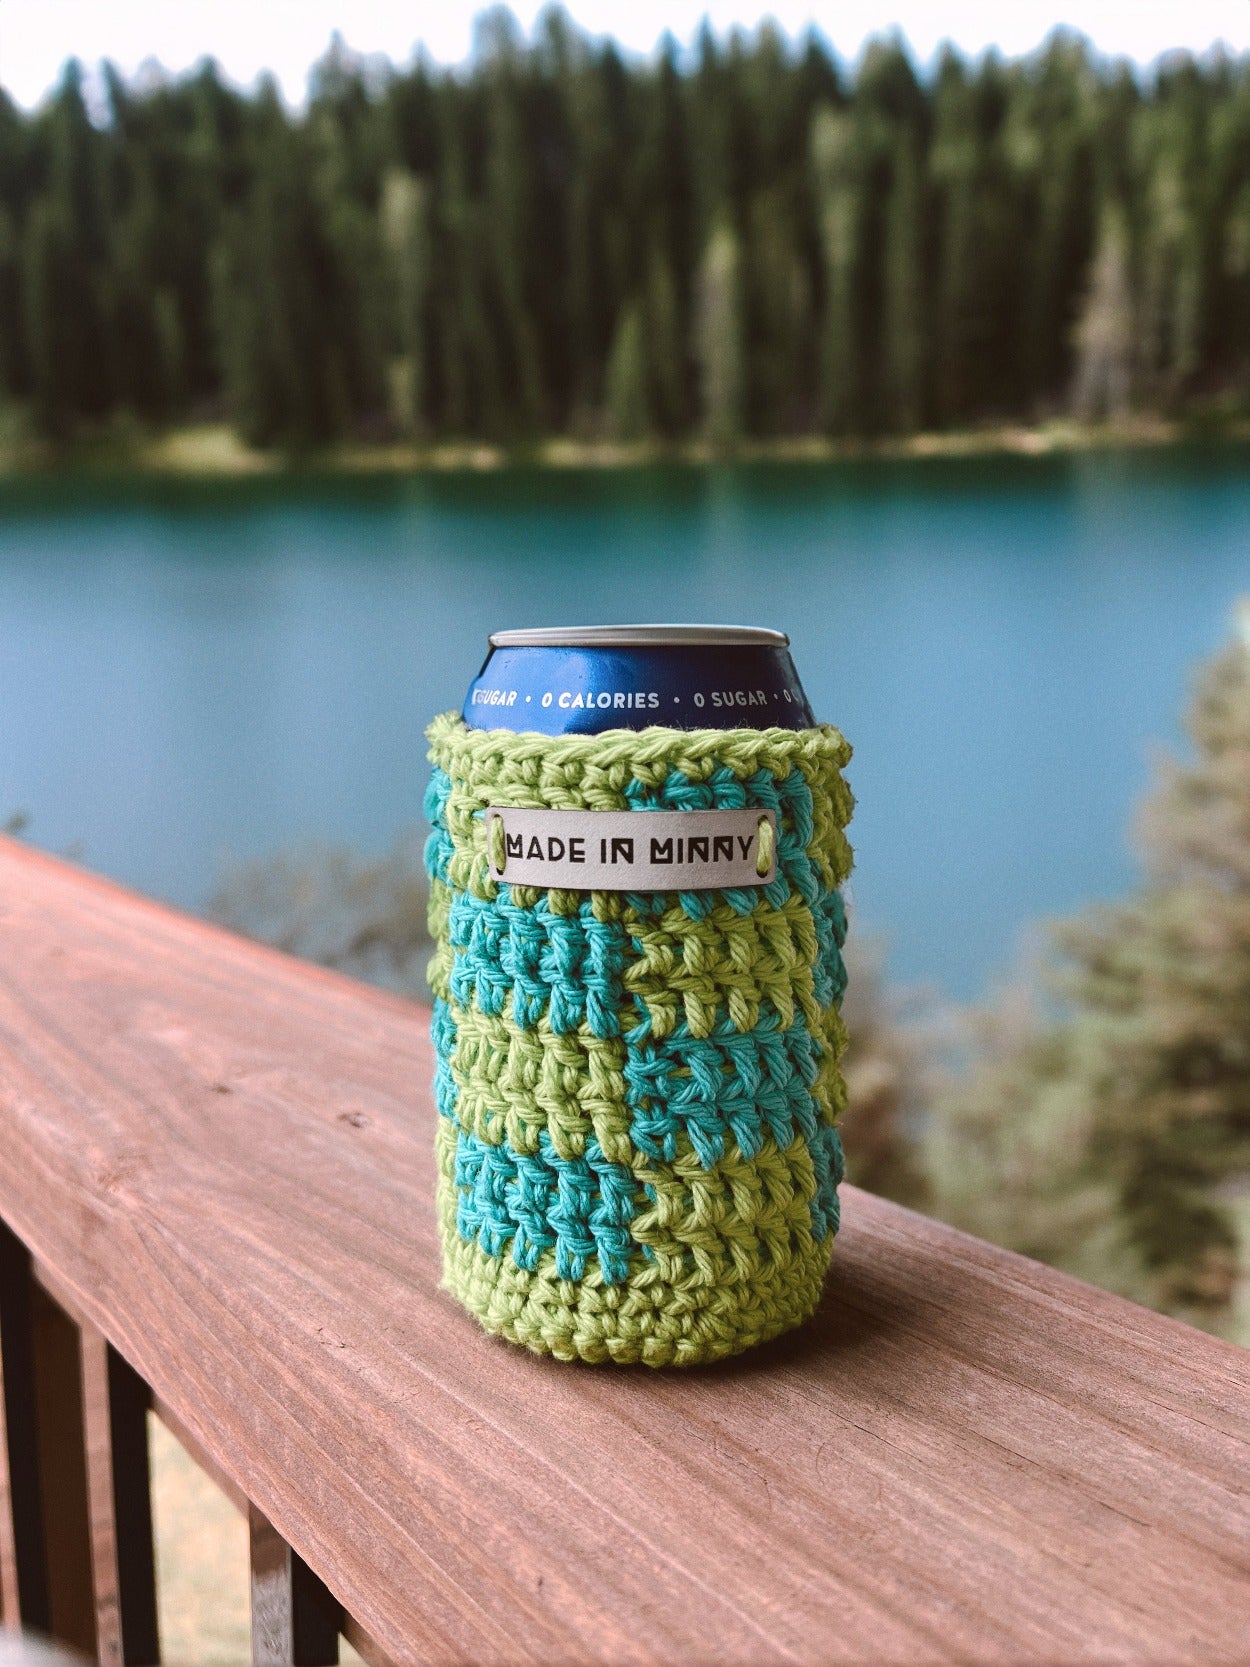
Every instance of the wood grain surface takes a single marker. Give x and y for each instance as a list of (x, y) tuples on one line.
[(225, 1156)]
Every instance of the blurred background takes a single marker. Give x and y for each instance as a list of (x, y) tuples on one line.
[(333, 338)]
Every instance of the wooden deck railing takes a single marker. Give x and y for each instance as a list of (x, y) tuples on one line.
[(216, 1179)]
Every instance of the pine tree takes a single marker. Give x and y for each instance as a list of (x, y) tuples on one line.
[(834, 164), (667, 378), (65, 266), (1105, 337), (1163, 987), (1172, 255), (904, 322), (283, 379), (1115, 1141), (146, 344), (599, 261), (1229, 227), (778, 319), (13, 374), (1053, 147), (629, 406), (1235, 261), (665, 199), (511, 214), (52, 295), (473, 372), (406, 238), (1006, 1149), (887, 1082), (719, 338)]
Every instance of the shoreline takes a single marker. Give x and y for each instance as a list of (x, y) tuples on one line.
[(215, 452)]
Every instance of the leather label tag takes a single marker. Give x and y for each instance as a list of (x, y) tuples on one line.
[(631, 850)]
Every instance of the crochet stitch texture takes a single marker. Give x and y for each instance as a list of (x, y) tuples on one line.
[(638, 1154)]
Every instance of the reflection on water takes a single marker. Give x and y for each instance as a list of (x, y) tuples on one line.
[(195, 673)]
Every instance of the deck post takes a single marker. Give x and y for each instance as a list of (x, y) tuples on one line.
[(47, 1543), (295, 1621), (23, 1559), (115, 1411)]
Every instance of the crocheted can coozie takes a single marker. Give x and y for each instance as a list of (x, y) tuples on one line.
[(638, 1154)]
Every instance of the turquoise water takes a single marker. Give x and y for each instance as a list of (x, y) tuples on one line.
[(190, 675)]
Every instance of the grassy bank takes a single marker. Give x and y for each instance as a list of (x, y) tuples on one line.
[(211, 451)]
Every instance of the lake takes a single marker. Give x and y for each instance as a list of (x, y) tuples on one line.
[(193, 674)]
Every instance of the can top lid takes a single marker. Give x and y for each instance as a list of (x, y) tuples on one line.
[(641, 636)]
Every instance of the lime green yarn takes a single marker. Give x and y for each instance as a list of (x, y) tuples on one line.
[(673, 1311), (612, 770), (516, 1084), (638, 1152)]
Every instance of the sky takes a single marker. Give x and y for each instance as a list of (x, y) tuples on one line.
[(286, 36)]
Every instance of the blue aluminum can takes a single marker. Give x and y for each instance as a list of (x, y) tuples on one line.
[(578, 680)]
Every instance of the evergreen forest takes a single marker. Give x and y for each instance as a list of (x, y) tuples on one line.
[(746, 239)]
